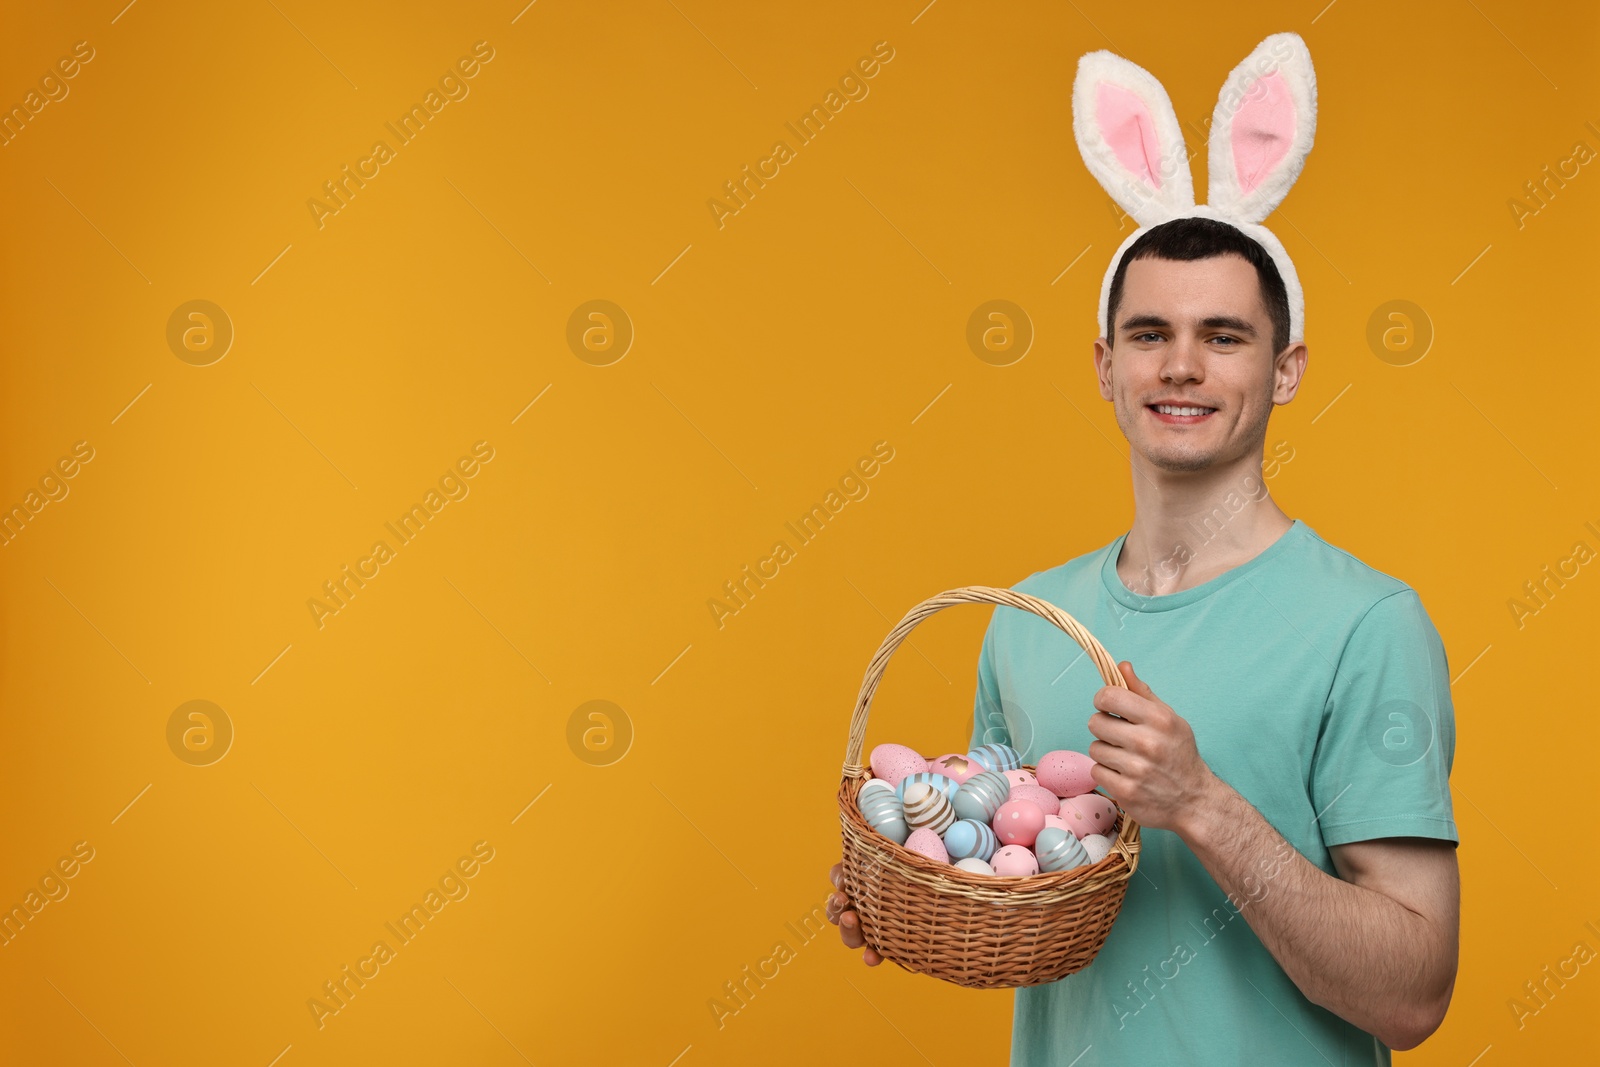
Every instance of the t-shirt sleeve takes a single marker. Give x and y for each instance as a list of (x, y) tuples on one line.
[(1383, 759), (988, 723)]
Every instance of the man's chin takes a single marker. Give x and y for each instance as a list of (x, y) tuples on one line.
[(1168, 462)]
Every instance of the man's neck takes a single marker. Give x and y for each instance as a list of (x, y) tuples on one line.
[(1192, 527)]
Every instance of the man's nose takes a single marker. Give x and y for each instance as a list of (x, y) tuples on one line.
[(1183, 362)]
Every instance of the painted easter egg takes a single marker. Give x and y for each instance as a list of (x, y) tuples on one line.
[(925, 842), (1048, 802), (927, 807), (894, 762), (1018, 822), (874, 784), (955, 765), (1014, 861), (945, 785), (1057, 821), (1066, 773), (980, 796), (1058, 850), (1089, 813), (1098, 846), (969, 838), (996, 757), (884, 814), (976, 866), (1021, 776)]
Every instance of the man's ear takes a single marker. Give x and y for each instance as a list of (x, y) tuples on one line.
[(1102, 366), (1288, 371)]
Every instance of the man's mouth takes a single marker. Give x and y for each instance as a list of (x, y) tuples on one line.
[(1180, 414)]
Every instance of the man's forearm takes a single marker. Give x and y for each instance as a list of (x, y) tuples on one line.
[(1356, 952)]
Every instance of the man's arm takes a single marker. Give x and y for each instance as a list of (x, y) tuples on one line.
[(1377, 946), (1379, 949)]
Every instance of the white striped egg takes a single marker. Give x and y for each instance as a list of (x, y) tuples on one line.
[(927, 806)]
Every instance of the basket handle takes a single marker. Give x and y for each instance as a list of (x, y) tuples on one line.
[(967, 594)]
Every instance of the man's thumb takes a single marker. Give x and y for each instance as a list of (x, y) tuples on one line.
[(1135, 683)]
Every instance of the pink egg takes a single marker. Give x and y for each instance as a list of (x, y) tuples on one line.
[(955, 765), (1089, 813), (1020, 777), (1066, 773), (1058, 822), (1048, 802), (1018, 822), (894, 762), (925, 842), (1014, 861)]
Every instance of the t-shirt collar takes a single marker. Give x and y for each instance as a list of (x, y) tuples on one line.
[(1139, 602)]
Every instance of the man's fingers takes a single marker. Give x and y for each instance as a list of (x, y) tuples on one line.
[(848, 922), (850, 930)]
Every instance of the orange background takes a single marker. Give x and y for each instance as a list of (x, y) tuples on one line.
[(371, 753)]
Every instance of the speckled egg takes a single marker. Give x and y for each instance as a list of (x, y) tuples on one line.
[(926, 806), (1058, 850), (1014, 861), (1048, 802), (955, 765), (996, 757), (925, 842), (1020, 776), (981, 796), (894, 762), (976, 866), (947, 786), (1018, 822), (968, 838), (1065, 772), (1089, 813), (1098, 846)]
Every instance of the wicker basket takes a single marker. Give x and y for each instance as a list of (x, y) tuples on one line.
[(977, 930)]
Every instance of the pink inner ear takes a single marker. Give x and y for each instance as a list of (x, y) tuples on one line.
[(1262, 131), (1130, 131)]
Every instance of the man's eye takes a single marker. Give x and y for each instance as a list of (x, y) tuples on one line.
[(1142, 336), (1235, 340)]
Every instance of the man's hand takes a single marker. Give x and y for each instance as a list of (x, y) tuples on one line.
[(848, 922), (1146, 760)]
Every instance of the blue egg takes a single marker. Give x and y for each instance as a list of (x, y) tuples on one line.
[(943, 782), (970, 839), (981, 796), (1059, 850), (884, 814), (996, 757), (875, 800)]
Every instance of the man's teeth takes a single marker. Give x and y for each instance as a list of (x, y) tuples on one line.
[(1168, 409)]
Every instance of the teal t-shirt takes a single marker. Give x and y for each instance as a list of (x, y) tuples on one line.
[(1318, 688)]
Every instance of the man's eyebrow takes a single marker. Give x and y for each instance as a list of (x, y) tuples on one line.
[(1217, 322)]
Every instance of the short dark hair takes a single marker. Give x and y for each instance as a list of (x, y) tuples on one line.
[(1202, 238)]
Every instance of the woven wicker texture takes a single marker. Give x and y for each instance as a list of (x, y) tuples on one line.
[(976, 930)]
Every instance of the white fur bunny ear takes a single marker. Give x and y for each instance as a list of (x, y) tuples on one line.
[(1262, 128), (1130, 139)]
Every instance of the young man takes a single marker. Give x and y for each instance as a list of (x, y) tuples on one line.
[(1285, 742)]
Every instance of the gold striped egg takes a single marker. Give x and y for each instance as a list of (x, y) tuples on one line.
[(927, 806)]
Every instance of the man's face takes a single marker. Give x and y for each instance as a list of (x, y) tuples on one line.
[(1195, 332)]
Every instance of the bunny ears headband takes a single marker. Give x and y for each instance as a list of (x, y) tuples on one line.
[(1260, 136)]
